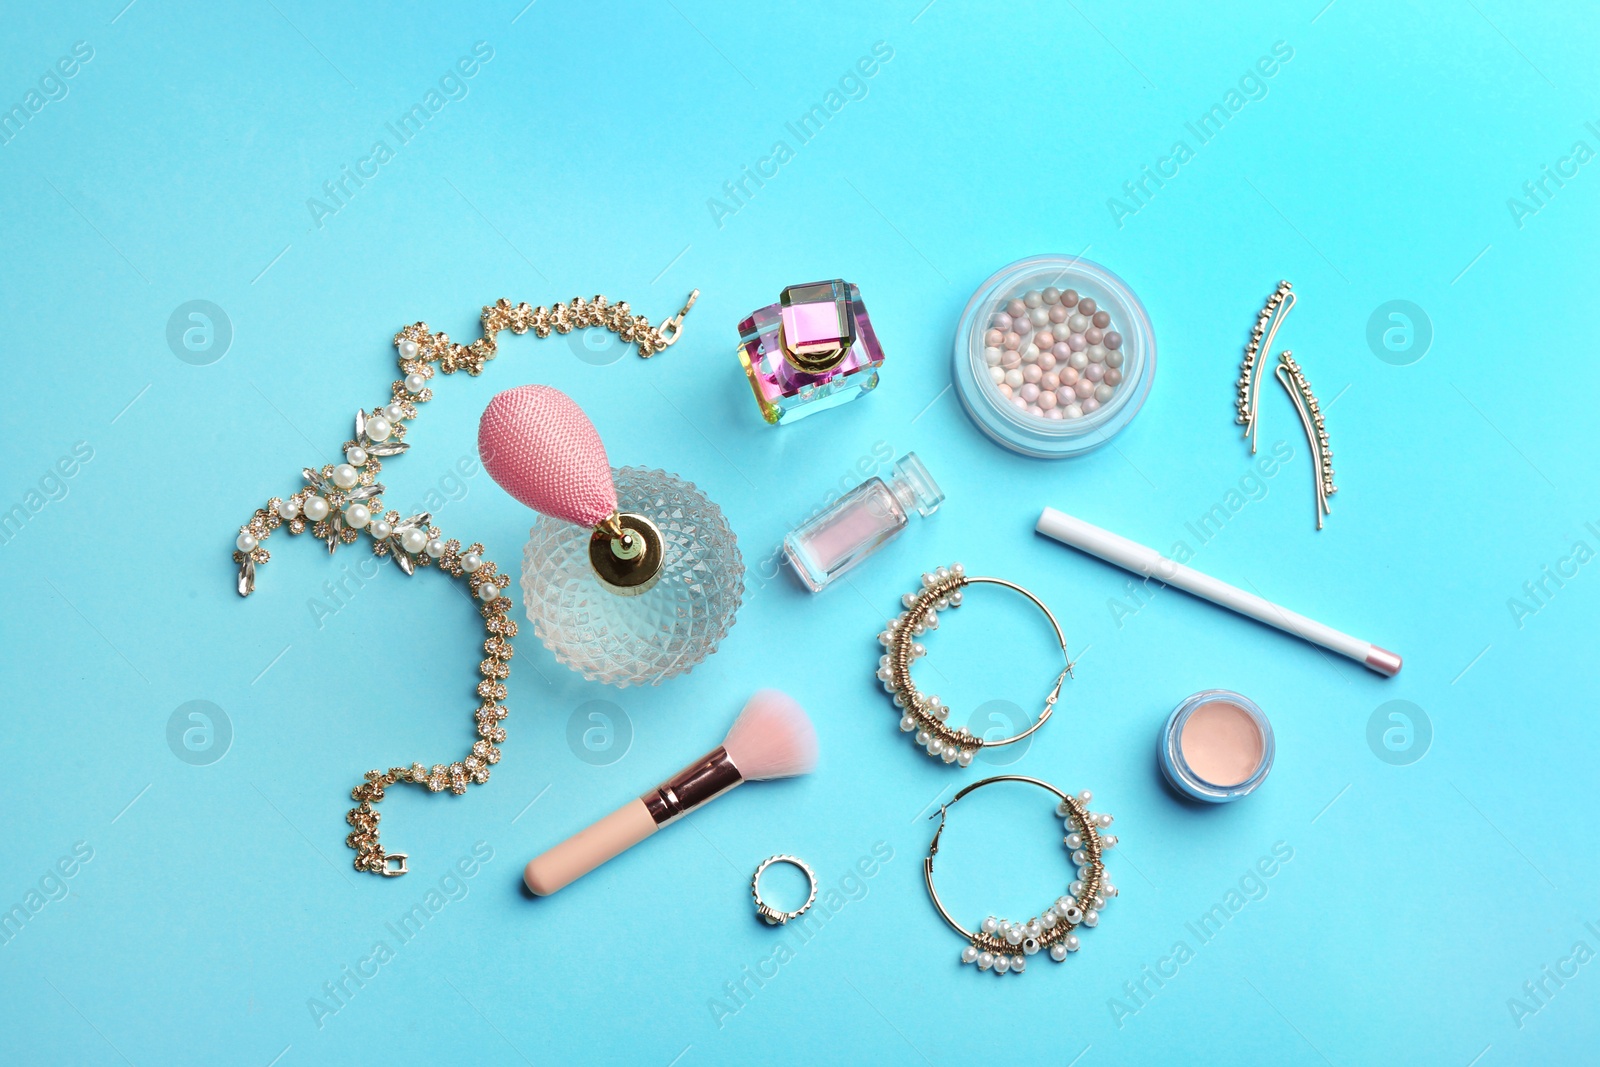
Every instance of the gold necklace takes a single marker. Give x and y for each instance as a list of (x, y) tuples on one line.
[(341, 501)]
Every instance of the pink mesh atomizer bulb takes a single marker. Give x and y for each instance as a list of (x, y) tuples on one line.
[(630, 576)]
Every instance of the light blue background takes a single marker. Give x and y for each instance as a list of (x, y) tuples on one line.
[(220, 899)]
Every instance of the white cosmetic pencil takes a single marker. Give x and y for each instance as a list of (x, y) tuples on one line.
[(1140, 559)]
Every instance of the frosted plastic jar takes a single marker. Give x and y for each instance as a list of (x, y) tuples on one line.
[(1073, 419)]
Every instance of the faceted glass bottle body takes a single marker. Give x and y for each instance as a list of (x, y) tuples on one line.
[(656, 635), (870, 515), (813, 350)]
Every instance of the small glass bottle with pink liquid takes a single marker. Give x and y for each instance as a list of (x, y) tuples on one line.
[(858, 523)]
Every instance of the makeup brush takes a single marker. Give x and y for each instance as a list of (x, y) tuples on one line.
[(771, 738)]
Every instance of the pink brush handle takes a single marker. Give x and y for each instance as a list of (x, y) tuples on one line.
[(589, 848)]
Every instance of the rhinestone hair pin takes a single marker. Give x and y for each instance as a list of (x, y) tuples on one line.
[(1305, 403), (1268, 319), (341, 501)]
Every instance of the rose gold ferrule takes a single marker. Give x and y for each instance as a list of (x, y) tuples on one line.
[(705, 778)]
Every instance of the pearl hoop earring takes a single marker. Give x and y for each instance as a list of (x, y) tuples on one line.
[(1002, 945), (924, 715)]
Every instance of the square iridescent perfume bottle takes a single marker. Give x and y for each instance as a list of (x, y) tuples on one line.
[(814, 349)]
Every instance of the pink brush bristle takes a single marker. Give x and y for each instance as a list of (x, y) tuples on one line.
[(542, 449), (772, 738)]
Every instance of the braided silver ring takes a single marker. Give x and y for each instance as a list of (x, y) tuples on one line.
[(772, 916)]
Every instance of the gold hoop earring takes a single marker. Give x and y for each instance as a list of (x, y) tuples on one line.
[(924, 714), (1005, 946)]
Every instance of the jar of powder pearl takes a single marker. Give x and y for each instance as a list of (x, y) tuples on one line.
[(1054, 355)]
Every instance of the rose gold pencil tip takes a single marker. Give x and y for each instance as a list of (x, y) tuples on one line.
[(1383, 661)]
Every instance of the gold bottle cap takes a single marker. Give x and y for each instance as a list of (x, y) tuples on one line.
[(627, 553), (825, 316)]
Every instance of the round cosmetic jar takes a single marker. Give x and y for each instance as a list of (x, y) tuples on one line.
[(1217, 746), (1067, 423)]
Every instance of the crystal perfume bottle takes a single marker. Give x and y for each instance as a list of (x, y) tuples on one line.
[(812, 350), (630, 576), (867, 517), (620, 638)]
